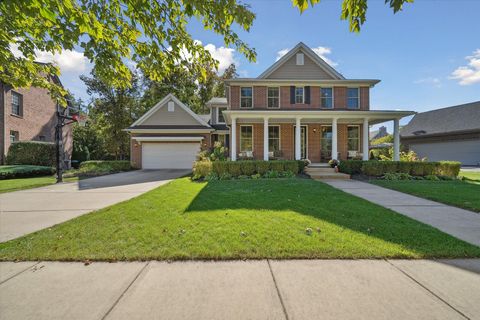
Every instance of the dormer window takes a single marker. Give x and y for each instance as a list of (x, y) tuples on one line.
[(220, 118), (300, 59)]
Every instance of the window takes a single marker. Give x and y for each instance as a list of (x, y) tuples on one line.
[(16, 104), (300, 59), (220, 118), (273, 95), (353, 134), (246, 97), (326, 143), (14, 136), (171, 106), (353, 98), (273, 138), (299, 95), (246, 138), (41, 138), (326, 97)]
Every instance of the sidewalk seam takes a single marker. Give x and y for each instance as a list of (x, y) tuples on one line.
[(278, 290), (18, 273), (427, 289), (125, 291)]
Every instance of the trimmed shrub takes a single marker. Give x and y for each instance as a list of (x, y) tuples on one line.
[(262, 167), (351, 166), (202, 169), (277, 165), (111, 165), (301, 165), (291, 166), (32, 153), (448, 168), (234, 168), (413, 168), (220, 167), (24, 171), (247, 167)]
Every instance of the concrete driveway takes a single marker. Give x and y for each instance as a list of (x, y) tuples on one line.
[(26, 211)]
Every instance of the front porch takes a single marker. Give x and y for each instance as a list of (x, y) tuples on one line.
[(315, 135)]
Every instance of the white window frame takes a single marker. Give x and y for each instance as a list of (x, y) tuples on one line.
[(241, 97), (358, 138), (321, 98), (303, 95), (20, 104), (218, 115), (306, 138), (240, 138), (358, 98), (15, 135), (278, 98), (279, 137)]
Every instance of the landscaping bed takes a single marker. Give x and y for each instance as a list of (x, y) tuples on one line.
[(237, 219), (97, 168), (24, 171)]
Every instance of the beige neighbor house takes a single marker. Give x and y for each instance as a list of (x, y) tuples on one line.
[(299, 108)]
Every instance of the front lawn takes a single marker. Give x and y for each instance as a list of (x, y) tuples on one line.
[(463, 194), (24, 183), (276, 218), (471, 175)]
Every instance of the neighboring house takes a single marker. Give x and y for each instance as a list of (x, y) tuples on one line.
[(29, 115), (380, 133), (451, 133), (298, 108)]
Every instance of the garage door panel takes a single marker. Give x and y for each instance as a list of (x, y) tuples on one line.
[(466, 151), (169, 155)]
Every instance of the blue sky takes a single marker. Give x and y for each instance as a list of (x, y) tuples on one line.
[(414, 53)]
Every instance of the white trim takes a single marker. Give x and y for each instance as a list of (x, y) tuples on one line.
[(240, 138), (288, 82), (206, 130), (306, 139), (163, 139), (279, 95), (358, 99), (308, 52), (303, 94), (240, 100), (359, 138), (218, 112), (279, 135), (163, 102)]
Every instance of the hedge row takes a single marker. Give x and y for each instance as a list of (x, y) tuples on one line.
[(23, 171), (414, 168), (201, 169), (31, 153), (119, 165)]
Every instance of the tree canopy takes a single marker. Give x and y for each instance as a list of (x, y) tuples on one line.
[(150, 33)]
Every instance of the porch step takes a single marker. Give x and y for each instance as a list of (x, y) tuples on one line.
[(318, 165), (334, 175), (319, 170)]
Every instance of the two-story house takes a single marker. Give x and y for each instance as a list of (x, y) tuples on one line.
[(299, 108), (30, 115)]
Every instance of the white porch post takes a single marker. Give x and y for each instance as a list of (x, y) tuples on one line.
[(233, 146), (265, 138), (365, 139), (298, 152), (396, 140), (334, 139)]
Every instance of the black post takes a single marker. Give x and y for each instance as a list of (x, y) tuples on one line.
[(58, 141)]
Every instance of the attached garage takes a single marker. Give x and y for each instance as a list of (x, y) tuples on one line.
[(466, 151), (169, 155)]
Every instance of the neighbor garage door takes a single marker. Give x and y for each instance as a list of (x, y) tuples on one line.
[(465, 151), (169, 155)]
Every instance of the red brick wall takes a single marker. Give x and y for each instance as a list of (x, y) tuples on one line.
[(38, 119), (314, 135), (287, 144), (340, 97), (235, 97), (260, 97), (364, 98)]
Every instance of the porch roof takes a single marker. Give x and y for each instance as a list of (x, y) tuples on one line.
[(373, 116)]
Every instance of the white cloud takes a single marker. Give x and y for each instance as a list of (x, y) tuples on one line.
[(436, 82), (67, 60), (469, 74), (322, 52), (224, 56)]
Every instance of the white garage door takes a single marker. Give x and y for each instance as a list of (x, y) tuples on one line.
[(466, 151), (169, 155)]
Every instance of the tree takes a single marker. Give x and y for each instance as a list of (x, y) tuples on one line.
[(111, 111), (229, 73), (151, 33), (355, 11)]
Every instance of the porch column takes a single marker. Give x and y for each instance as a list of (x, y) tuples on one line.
[(365, 139), (265, 138), (298, 152), (233, 146), (334, 139), (396, 140)]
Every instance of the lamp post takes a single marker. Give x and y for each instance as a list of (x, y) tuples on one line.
[(63, 119)]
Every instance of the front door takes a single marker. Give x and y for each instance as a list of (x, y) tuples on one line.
[(303, 141), (326, 144)]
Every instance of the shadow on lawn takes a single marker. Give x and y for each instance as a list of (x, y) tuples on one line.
[(318, 200)]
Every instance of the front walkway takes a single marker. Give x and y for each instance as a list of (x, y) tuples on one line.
[(261, 289), (26, 211), (460, 223)]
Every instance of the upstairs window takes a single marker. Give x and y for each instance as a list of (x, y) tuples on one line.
[(273, 98), (220, 118), (353, 98), (326, 97), (246, 97), (16, 104), (299, 95)]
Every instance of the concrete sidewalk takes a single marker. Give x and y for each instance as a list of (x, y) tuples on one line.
[(23, 212), (263, 289), (460, 223)]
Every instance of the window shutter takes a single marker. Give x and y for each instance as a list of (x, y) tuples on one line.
[(292, 94), (307, 94)]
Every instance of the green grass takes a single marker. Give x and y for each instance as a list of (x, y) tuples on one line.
[(464, 194), (473, 176), (239, 219), (28, 183)]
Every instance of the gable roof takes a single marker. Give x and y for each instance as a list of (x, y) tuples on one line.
[(450, 120), (162, 103), (309, 53)]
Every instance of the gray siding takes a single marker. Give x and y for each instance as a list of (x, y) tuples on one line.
[(309, 71), (163, 117), (465, 151)]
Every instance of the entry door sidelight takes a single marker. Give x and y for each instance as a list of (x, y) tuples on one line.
[(326, 144), (303, 141)]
